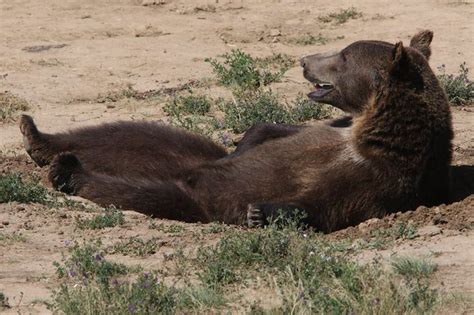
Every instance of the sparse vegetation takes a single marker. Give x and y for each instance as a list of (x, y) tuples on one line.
[(252, 102), (10, 105), (93, 285), (381, 238), (341, 16), (248, 110), (191, 104), (135, 246), (312, 275), (459, 89), (416, 273), (109, 218), (412, 268), (310, 39), (171, 229), (6, 239), (14, 188)]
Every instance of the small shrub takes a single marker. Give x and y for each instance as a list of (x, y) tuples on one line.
[(243, 72), (14, 188), (248, 110), (459, 89), (341, 16), (191, 104), (10, 105), (305, 109), (110, 218)]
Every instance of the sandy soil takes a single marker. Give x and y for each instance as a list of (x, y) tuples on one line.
[(62, 55)]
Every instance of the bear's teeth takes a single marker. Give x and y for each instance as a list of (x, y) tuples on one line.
[(325, 85)]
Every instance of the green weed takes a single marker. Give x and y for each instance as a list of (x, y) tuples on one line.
[(459, 89), (109, 218), (14, 188)]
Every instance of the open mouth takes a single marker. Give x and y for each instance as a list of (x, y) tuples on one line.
[(321, 89)]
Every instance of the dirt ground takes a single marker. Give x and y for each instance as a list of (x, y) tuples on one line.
[(61, 56)]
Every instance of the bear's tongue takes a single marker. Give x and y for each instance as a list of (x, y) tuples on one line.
[(321, 89)]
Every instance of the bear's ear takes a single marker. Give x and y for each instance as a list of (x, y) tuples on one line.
[(399, 64), (399, 56), (421, 42)]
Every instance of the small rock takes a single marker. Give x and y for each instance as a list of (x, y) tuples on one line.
[(5, 223), (275, 32), (429, 230)]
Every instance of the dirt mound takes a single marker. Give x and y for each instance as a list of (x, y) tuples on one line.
[(457, 216)]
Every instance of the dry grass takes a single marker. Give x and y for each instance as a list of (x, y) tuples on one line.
[(10, 105)]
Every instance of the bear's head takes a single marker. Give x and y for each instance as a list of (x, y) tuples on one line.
[(349, 78)]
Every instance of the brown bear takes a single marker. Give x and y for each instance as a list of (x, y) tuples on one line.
[(393, 155)]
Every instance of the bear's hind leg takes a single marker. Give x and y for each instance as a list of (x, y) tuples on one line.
[(160, 199), (36, 144)]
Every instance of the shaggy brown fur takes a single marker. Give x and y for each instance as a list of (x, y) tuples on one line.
[(395, 156)]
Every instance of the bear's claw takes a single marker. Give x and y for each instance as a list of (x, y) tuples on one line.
[(255, 217)]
